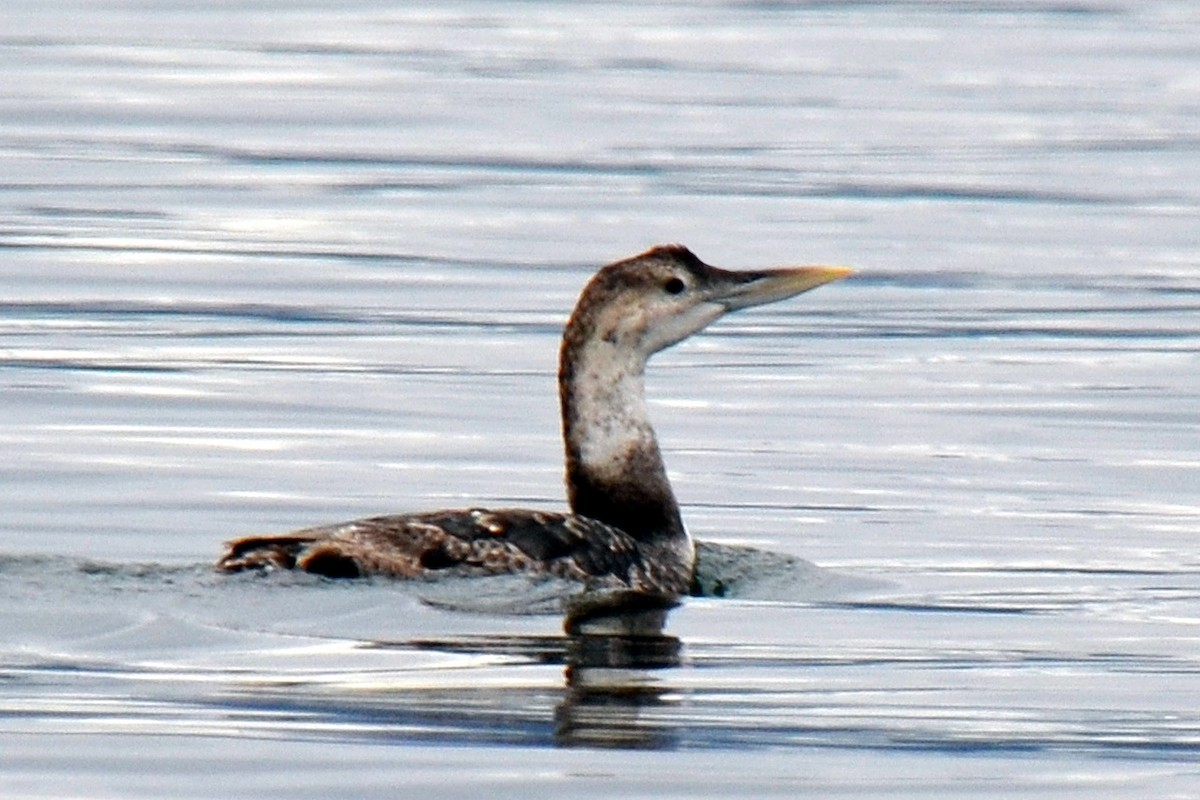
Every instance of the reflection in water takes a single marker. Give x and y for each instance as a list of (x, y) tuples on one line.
[(610, 686), (609, 659), (150, 649), (606, 696)]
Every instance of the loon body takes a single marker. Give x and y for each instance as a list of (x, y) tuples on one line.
[(624, 531)]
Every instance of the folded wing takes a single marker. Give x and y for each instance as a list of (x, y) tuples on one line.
[(465, 542)]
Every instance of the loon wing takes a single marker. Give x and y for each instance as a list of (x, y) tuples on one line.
[(471, 541)]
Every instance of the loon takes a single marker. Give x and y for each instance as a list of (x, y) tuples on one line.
[(624, 532)]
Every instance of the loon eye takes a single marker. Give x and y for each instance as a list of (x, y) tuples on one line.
[(674, 285)]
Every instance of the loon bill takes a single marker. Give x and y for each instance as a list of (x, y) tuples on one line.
[(624, 531)]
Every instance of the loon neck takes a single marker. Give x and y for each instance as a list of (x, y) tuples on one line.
[(628, 311), (615, 472)]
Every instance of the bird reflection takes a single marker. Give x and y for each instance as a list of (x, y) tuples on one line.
[(613, 681), (612, 691)]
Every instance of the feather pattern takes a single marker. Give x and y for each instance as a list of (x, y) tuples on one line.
[(467, 542)]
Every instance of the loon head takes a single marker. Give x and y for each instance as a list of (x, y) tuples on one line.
[(651, 301)]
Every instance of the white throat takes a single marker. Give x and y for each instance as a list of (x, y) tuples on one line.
[(610, 415)]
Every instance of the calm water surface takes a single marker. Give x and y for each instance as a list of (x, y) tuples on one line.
[(267, 265)]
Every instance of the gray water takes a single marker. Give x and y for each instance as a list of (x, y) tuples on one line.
[(267, 265)]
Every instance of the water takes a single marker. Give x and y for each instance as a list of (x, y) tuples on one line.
[(268, 265)]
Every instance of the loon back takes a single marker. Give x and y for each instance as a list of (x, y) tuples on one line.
[(472, 541), (624, 530)]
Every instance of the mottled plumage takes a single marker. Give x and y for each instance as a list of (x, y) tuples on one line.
[(465, 542), (624, 532)]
